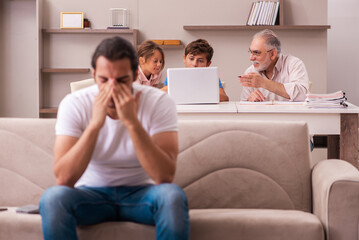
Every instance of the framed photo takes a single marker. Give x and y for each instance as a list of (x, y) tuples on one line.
[(74, 20)]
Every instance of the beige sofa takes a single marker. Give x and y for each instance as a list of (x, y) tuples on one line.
[(244, 180)]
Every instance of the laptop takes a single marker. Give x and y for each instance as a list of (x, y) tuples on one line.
[(193, 85)]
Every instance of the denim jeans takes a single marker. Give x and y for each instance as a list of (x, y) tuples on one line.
[(163, 205)]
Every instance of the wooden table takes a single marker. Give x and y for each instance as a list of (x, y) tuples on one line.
[(333, 123)]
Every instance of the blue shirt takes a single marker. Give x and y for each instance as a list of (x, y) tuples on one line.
[(220, 84)]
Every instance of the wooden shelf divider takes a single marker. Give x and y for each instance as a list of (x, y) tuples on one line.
[(48, 110)]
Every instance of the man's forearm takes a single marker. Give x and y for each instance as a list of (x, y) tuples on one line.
[(276, 88), (72, 162), (159, 164)]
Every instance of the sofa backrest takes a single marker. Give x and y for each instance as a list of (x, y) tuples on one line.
[(222, 164), (244, 164), (26, 159)]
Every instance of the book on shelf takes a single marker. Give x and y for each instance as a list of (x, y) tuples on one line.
[(251, 13), (275, 19), (328, 100), (267, 12), (256, 14), (271, 12), (263, 13)]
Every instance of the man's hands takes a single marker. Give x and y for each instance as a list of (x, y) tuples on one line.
[(117, 98), (254, 80), (126, 105), (100, 105)]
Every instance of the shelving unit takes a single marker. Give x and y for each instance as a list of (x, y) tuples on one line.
[(46, 71)]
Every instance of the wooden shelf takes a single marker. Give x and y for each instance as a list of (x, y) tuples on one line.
[(48, 110), (170, 46), (90, 31), (245, 27), (65, 70), (134, 32)]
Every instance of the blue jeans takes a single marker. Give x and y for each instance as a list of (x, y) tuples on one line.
[(163, 205)]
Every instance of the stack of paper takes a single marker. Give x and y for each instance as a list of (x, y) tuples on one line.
[(330, 100)]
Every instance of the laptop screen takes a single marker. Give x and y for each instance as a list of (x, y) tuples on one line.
[(193, 85)]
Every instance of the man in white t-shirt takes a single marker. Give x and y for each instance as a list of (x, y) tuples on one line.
[(273, 75), (115, 153)]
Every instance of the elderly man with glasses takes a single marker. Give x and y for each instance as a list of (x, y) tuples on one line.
[(273, 75)]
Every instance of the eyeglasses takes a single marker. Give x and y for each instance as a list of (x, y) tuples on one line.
[(257, 53)]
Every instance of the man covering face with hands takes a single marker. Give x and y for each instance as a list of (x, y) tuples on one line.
[(115, 153)]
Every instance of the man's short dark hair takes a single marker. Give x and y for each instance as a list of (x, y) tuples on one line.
[(199, 46), (116, 48)]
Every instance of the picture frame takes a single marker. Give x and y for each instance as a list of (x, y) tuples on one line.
[(72, 20)]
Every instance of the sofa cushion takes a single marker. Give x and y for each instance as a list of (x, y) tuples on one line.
[(28, 226), (254, 224), (243, 164), (20, 226), (26, 160), (206, 224)]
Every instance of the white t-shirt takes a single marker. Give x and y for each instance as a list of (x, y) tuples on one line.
[(114, 161)]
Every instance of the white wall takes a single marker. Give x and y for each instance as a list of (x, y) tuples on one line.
[(343, 48), (18, 62)]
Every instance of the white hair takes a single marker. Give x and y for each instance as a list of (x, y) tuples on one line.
[(271, 39)]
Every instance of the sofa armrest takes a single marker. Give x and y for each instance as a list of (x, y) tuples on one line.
[(336, 198)]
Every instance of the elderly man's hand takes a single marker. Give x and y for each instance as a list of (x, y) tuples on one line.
[(256, 96), (252, 80)]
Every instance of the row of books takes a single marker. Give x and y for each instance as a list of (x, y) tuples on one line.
[(330, 100), (264, 13)]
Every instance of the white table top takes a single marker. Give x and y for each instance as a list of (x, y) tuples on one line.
[(291, 107), (223, 107), (241, 107)]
